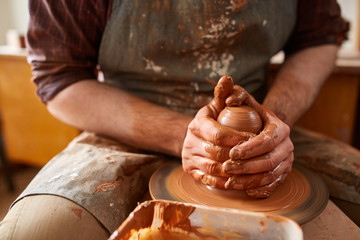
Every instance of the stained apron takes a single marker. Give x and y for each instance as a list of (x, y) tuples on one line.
[(170, 53)]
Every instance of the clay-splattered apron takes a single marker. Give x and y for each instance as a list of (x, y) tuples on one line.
[(170, 53), (173, 52)]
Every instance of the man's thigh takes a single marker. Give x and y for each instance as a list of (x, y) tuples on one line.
[(50, 217)]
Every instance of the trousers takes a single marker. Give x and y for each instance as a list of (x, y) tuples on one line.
[(52, 217)]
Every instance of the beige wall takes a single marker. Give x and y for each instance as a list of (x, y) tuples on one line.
[(13, 15), (350, 11), (4, 20)]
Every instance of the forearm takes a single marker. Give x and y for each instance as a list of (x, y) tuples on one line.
[(100, 108), (299, 81)]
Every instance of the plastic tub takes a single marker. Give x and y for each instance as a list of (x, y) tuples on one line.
[(160, 219)]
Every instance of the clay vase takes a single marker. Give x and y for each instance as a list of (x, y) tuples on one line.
[(243, 118)]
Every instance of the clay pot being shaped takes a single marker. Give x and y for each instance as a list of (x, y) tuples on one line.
[(242, 118)]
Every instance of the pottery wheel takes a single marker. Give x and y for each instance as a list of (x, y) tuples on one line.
[(301, 197)]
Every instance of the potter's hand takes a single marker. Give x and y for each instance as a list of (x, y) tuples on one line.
[(263, 162), (207, 143)]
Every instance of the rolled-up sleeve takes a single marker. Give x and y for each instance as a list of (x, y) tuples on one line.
[(318, 22), (62, 41)]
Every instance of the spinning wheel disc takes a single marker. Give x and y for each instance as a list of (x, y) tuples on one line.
[(301, 197)]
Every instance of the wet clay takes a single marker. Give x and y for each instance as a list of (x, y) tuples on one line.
[(242, 118), (160, 220), (302, 196), (152, 234), (293, 191)]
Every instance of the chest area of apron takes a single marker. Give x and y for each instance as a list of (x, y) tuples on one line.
[(205, 36), (172, 52)]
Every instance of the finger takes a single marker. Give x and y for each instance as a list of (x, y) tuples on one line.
[(262, 163), (205, 165), (212, 181), (264, 142), (241, 97), (212, 131), (216, 153), (240, 182), (265, 191), (200, 147), (237, 97), (222, 90)]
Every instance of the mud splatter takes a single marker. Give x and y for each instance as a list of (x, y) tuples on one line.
[(107, 186), (76, 211), (263, 228), (236, 4), (112, 158), (223, 30), (151, 66)]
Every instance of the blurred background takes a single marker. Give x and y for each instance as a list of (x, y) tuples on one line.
[(29, 136), (13, 16)]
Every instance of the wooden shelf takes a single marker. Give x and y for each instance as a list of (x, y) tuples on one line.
[(31, 135)]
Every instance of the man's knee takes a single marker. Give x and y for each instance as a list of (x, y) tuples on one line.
[(50, 217)]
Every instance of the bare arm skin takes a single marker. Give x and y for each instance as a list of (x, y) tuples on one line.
[(103, 109), (299, 81)]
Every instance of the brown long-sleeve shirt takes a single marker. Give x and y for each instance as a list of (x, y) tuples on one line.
[(64, 37)]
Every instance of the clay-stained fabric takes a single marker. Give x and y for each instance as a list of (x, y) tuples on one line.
[(101, 175), (337, 163), (172, 52)]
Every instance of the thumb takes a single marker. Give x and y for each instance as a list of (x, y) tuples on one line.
[(222, 90)]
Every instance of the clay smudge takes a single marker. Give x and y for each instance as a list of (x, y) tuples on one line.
[(129, 168), (236, 4), (223, 30), (76, 211), (276, 218), (163, 219), (263, 228), (151, 66), (291, 193), (112, 158), (106, 186)]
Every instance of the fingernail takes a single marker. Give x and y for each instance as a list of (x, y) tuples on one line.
[(235, 154)]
